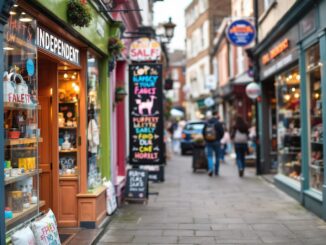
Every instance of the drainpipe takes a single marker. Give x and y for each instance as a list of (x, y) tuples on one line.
[(257, 80)]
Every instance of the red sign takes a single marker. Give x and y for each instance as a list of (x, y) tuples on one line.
[(145, 49), (276, 51)]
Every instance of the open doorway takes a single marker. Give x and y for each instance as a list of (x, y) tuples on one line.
[(58, 96)]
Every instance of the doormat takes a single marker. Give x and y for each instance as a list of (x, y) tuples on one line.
[(65, 237)]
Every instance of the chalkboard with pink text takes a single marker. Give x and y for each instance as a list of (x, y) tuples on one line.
[(146, 114)]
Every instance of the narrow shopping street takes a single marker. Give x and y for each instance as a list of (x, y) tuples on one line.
[(192, 208)]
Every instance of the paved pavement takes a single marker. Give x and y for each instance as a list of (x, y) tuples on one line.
[(192, 208)]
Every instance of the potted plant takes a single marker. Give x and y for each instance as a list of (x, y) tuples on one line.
[(78, 13), (120, 93)]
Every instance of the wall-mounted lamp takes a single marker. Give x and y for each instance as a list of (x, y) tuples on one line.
[(169, 29)]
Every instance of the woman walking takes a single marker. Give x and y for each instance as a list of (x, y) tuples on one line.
[(239, 135)]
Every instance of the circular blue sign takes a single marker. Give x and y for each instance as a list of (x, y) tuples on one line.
[(30, 67), (241, 33)]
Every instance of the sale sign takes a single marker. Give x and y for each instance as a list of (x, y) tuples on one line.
[(145, 49), (146, 114)]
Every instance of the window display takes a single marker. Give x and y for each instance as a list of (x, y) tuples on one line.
[(68, 122), (316, 165), (94, 123), (21, 131), (288, 121)]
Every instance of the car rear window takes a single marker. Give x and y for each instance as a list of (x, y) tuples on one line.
[(195, 126)]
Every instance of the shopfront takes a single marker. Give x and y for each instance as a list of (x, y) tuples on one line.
[(56, 131), (292, 117)]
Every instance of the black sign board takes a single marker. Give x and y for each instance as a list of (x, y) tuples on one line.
[(155, 173), (146, 114), (137, 184)]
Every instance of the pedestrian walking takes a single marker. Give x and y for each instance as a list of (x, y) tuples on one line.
[(213, 133), (176, 139), (225, 144), (240, 138)]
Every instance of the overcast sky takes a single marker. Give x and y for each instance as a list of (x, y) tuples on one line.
[(175, 9)]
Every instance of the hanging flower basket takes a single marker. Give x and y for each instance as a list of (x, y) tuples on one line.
[(120, 94), (78, 13), (115, 46)]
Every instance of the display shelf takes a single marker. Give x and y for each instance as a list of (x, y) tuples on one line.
[(22, 141), (315, 142), (288, 153), (317, 168), (24, 213), (68, 102), (313, 67), (27, 148), (293, 117), (12, 105), (10, 180), (69, 151), (68, 177)]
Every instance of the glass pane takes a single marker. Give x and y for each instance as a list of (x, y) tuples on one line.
[(20, 119), (288, 127), (316, 165), (94, 123), (68, 121)]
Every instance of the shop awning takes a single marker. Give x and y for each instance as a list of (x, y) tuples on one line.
[(242, 79)]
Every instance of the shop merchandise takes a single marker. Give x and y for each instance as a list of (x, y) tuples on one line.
[(93, 136), (15, 92), (111, 201), (24, 236), (45, 230), (289, 131)]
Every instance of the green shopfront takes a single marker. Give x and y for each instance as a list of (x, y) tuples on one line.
[(56, 133), (292, 113)]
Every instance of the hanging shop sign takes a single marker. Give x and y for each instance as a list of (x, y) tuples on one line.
[(241, 33), (276, 51), (253, 90), (145, 49), (57, 46), (146, 114)]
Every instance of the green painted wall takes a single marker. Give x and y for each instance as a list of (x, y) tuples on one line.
[(59, 8), (105, 135)]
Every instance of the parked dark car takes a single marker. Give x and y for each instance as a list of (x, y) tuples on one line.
[(191, 131)]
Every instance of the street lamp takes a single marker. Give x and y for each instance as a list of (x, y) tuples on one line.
[(169, 29)]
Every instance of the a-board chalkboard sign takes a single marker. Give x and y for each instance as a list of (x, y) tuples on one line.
[(137, 185), (146, 114)]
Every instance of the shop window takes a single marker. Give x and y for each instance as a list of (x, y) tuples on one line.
[(316, 165), (21, 133), (68, 121), (288, 117), (94, 123)]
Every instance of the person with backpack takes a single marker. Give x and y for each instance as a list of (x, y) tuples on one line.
[(240, 137), (213, 132)]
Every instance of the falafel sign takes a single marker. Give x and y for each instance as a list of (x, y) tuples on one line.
[(146, 114)]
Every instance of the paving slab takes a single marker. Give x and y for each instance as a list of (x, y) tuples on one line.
[(193, 208)]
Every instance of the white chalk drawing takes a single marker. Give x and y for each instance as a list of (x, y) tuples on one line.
[(145, 105)]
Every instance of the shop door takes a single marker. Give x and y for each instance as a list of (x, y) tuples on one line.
[(45, 151)]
